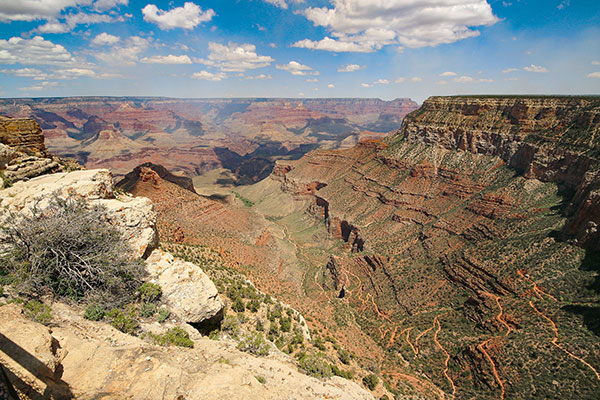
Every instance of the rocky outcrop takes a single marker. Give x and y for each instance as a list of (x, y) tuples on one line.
[(134, 217), (140, 172), (82, 359), (23, 135), (23, 154), (188, 291)]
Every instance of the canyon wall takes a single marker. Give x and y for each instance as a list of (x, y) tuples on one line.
[(468, 244)]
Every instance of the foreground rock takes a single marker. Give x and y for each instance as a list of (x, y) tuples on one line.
[(188, 291), (134, 217), (91, 360)]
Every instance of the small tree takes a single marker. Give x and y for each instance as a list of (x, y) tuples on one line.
[(371, 381), (69, 250)]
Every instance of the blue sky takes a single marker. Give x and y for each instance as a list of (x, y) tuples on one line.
[(298, 48)]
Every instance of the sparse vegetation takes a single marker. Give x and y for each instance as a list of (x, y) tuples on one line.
[(149, 292), (315, 365), (254, 343), (124, 320), (70, 251), (370, 381), (94, 312), (163, 314), (38, 311), (173, 337), (244, 200)]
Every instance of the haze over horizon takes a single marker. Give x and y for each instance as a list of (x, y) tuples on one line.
[(297, 48)]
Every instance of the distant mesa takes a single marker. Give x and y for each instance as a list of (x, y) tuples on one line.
[(130, 180)]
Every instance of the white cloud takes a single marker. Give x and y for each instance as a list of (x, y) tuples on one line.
[(282, 3), (510, 79), (594, 75), (595, 62), (33, 51), (295, 68), (331, 86), (563, 4), (368, 25), (400, 80), (42, 86), (259, 77), (312, 80), (170, 59), (187, 17), (509, 70), (31, 10), (103, 5), (53, 25), (381, 82), (442, 82), (125, 54), (468, 79), (38, 75), (416, 79), (234, 57), (365, 85), (535, 68), (105, 39), (350, 68), (208, 76), (448, 73)]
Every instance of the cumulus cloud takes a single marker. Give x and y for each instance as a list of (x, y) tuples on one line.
[(400, 80), (448, 73), (208, 76), (442, 82), (31, 10), (103, 5), (368, 25), (509, 70), (295, 68), (234, 57), (594, 75), (416, 79), (312, 80), (187, 17), (105, 39), (350, 68), (53, 25), (595, 62), (33, 51), (170, 59), (365, 85), (331, 86), (535, 68), (126, 53), (381, 82)]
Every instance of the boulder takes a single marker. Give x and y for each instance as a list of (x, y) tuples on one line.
[(6, 155), (135, 218), (187, 290)]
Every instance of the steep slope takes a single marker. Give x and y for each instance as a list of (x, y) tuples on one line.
[(131, 179), (469, 245)]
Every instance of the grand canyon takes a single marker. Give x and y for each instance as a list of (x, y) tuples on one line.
[(456, 257)]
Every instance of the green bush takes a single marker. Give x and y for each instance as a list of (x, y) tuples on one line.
[(147, 310), (38, 311), (125, 321), (231, 325), (370, 381), (94, 312), (149, 292), (315, 365), (174, 336), (69, 250), (286, 324), (254, 343), (163, 314), (344, 356), (238, 305), (260, 379)]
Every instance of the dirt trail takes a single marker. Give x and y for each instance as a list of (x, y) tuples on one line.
[(539, 292), (435, 339), (499, 316), (494, 370), (555, 341)]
